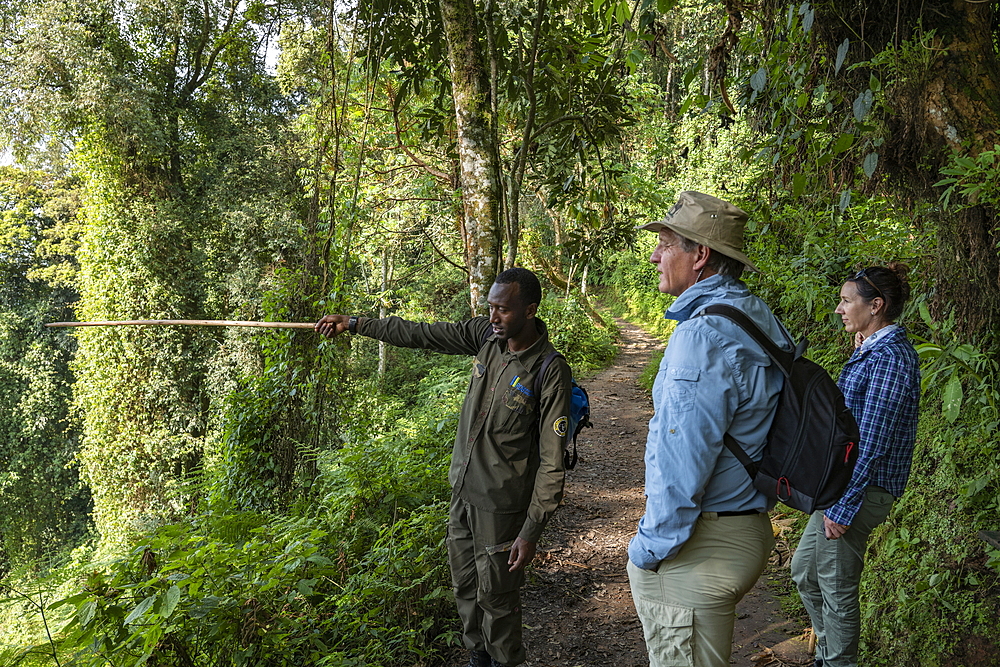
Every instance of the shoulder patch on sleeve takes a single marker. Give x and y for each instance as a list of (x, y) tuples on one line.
[(561, 426)]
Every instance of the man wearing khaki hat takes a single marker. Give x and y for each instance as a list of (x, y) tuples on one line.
[(705, 535)]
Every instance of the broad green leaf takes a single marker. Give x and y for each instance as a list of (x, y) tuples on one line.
[(305, 586), (841, 54), (140, 609), (798, 184), (844, 142), (845, 200), (951, 399), (862, 105), (759, 80), (869, 164), (929, 351), (86, 612), (79, 597), (170, 601), (925, 314)]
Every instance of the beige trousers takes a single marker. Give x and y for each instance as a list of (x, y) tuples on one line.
[(688, 604)]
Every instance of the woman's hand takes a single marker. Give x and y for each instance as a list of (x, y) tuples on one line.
[(833, 529)]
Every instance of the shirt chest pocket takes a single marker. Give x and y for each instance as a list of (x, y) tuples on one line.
[(517, 410), (682, 387)]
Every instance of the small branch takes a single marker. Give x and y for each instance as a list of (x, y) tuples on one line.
[(443, 256), (549, 124)]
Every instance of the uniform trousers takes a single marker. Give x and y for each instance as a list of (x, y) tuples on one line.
[(687, 605), (487, 594), (828, 575)]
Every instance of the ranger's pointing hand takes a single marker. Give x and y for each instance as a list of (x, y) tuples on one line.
[(332, 325)]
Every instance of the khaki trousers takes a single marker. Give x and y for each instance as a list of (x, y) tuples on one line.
[(828, 575), (488, 596), (688, 604)]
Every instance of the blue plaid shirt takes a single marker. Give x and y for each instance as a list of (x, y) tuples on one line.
[(881, 385)]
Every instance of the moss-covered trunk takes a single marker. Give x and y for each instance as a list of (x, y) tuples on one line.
[(477, 147), (952, 106)]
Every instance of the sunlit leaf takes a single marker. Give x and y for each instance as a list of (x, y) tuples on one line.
[(759, 80), (140, 609), (170, 601), (951, 399)]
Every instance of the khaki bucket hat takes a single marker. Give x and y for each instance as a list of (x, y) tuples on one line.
[(709, 221)]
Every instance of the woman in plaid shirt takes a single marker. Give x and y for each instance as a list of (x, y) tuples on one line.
[(881, 384)]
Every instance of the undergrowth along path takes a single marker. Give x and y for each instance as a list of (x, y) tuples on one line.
[(578, 609)]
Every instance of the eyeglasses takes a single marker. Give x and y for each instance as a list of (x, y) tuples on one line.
[(863, 275)]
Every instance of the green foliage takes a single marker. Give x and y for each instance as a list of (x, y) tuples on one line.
[(356, 576), (648, 375), (253, 589), (635, 295), (949, 364), (929, 589), (37, 441), (587, 347), (975, 178)]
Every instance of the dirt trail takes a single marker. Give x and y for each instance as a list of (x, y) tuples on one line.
[(578, 609)]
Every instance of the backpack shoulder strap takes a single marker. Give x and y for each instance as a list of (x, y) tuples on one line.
[(740, 454), (778, 356), (781, 358), (544, 369)]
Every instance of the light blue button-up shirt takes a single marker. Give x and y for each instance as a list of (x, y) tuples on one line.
[(713, 378)]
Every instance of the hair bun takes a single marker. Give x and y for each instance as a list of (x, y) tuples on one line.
[(901, 270)]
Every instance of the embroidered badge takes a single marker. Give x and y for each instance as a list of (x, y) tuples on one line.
[(560, 426), (516, 384)]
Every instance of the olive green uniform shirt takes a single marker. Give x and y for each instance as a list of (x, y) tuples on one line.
[(508, 454)]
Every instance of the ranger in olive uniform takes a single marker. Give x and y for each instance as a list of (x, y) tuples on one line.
[(507, 464)]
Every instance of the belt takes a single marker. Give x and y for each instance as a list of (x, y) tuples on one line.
[(713, 515)]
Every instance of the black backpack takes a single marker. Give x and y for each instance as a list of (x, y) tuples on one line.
[(579, 412), (812, 445)]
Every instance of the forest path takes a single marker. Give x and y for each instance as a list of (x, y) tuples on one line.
[(578, 609)]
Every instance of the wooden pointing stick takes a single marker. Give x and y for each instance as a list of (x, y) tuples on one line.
[(197, 323)]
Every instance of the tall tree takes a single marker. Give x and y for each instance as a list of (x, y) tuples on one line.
[(477, 145), (170, 119)]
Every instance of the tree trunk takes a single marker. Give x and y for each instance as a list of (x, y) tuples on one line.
[(477, 147), (954, 106)]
